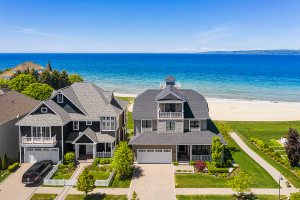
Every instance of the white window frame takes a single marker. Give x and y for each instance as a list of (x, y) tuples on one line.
[(45, 109), (58, 98), (41, 130), (91, 123), (170, 125), (194, 121), (108, 123), (147, 120), (74, 125)]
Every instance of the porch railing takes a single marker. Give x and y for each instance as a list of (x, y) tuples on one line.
[(201, 157), (170, 114), (38, 140)]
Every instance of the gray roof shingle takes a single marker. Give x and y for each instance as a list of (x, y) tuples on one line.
[(170, 88), (96, 136), (170, 78)]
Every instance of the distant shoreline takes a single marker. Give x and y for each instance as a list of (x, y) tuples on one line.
[(257, 52)]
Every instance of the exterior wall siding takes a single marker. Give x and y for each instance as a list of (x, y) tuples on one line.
[(9, 139), (154, 124), (38, 111), (137, 127), (173, 147), (186, 125), (69, 103), (162, 126), (203, 124)]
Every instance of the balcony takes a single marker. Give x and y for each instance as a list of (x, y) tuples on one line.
[(38, 141), (170, 114)]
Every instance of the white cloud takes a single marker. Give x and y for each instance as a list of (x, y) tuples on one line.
[(32, 31), (213, 34), (185, 49)]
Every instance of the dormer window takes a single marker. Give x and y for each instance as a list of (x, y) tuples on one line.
[(88, 122), (194, 124), (60, 98), (44, 110)]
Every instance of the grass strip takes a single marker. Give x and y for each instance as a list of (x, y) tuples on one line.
[(229, 197), (38, 196), (4, 176), (95, 197)]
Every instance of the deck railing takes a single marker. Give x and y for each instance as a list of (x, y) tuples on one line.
[(201, 157), (170, 114), (38, 140)]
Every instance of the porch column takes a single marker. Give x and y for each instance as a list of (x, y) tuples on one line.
[(105, 147), (76, 151), (94, 150), (191, 148)]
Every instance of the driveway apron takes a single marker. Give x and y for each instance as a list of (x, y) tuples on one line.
[(153, 181)]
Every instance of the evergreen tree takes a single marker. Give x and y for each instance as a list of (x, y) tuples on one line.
[(292, 147), (17, 73), (55, 79), (45, 77), (48, 68), (216, 150), (0, 164), (64, 79), (5, 161), (35, 74), (86, 182), (122, 160)]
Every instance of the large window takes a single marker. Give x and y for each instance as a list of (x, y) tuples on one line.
[(76, 125), (194, 124), (108, 123), (170, 107), (60, 98), (40, 131), (146, 123), (170, 125)]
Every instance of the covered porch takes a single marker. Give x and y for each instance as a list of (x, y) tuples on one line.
[(193, 153), (94, 150)]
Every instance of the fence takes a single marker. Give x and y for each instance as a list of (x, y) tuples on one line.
[(47, 178)]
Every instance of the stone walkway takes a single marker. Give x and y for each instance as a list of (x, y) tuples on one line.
[(153, 181)]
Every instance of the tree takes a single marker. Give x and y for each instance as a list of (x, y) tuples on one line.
[(216, 150), (4, 161), (64, 79), (75, 78), (55, 79), (85, 182), (45, 77), (241, 183), (21, 82), (38, 91), (26, 71), (3, 81), (17, 73), (35, 74), (69, 157), (48, 68), (295, 195), (122, 160), (0, 164), (292, 147), (224, 130)]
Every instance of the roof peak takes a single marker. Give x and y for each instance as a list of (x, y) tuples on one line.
[(170, 78)]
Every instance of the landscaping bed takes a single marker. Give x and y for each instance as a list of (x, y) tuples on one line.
[(65, 171), (229, 197)]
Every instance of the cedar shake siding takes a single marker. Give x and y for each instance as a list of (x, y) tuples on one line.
[(162, 126)]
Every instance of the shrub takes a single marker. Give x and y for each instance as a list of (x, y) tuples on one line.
[(184, 170), (190, 171), (59, 170), (72, 164), (266, 150), (298, 172), (55, 174), (271, 149), (110, 168), (218, 170), (108, 160), (64, 171), (213, 163), (13, 167), (95, 168), (286, 163), (220, 175), (273, 154), (200, 165), (178, 170), (73, 168), (96, 161), (4, 161), (175, 163), (277, 154), (69, 157), (229, 163), (266, 146), (260, 144), (252, 139), (103, 168), (61, 166), (193, 163), (282, 161), (103, 161), (269, 153), (223, 164), (278, 159)]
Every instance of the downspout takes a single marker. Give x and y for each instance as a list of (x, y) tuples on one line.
[(62, 142)]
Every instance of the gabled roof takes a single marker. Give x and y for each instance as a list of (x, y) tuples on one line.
[(96, 137), (170, 89), (88, 132), (13, 103), (170, 78)]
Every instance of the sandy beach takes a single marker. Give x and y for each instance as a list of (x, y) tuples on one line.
[(246, 110)]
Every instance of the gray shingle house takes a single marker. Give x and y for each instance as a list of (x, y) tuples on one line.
[(172, 124), (81, 118)]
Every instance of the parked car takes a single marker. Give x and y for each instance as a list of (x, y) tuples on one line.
[(36, 171)]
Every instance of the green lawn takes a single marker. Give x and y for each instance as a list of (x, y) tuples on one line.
[(121, 183), (266, 131), (130, 99), (259, 177), (99, 175), (130, 122), (95, 197), (38, 196), (4, 176), (64, 176), (229, 197)]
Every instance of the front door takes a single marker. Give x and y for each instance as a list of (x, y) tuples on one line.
[(181, 148), (89, 149), (82, 149)]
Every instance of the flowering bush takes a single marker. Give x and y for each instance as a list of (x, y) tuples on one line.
[(200, 165)]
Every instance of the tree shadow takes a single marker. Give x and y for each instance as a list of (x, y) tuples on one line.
[(138, 172), (250, 196), (96, 196)]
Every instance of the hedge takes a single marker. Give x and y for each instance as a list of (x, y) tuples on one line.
[(175, 163), (13, 167), (218, 170), (193, 163)]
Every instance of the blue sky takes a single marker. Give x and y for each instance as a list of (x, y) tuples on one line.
[(147, 26)]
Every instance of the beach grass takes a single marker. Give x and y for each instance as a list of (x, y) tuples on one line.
[(39, 196), (229, 197), (129, 99), (264, 131)]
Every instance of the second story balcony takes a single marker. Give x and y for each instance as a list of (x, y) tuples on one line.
[(170, 114), (38, 141)]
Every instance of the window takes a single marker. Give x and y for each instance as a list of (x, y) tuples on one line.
[(44, 110), (89, 122), (146, 123), (40, 131), (170, 107), (60, 98), (108, 123), (170, 125), (75, 125), (194, 124)]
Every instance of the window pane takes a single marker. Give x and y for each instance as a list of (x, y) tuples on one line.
[(144, 124), (112, 118), (112, 125), (108, 126), (167, 107), (172, 107), (47, 132), (148, 123), (38, 132), (108, 118), (168, 125), (173, 125), (103, 126)]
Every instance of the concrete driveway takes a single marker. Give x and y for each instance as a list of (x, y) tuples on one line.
[(153, 181), (13, 188)]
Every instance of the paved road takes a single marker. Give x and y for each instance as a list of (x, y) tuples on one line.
[(13, 188), (153, 181)]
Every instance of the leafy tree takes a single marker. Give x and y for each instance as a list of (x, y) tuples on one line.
[(134, 196), (86, 182), (64, 79), (224, 130), (4, 161), (0, 164), (7, 69), (3, 81), (38, 91), (69, 157), (35, 74), (122, 160), (26, 71), (45, 77), (292, 147), (295, 195), (75, 78), (21, 82), (17, 73), (216, 150), (55, 79), (241, 183)]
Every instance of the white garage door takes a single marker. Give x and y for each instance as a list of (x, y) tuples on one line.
[(33, 155), (154, 156)]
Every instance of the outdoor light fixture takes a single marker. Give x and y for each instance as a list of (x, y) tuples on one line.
[(280, 179)]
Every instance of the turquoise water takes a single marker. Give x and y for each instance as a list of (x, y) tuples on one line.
[(253, 77)]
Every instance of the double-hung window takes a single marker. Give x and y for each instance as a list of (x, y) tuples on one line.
[(170, 125), (60, 98), (194, 124), (108, 123), (75, 125), (146, 123), (40, 131), (170, 107)]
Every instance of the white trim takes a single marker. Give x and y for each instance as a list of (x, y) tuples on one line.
[(107, 121), (89, 124), (41, 129), (74, 125), (45, 110), (168, 94), (79, 136), (39, 106), (62, 98), (170, 126), (62, 141), (146, 120)]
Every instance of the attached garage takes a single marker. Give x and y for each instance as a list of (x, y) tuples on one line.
[(159, 156), (33, 155)]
